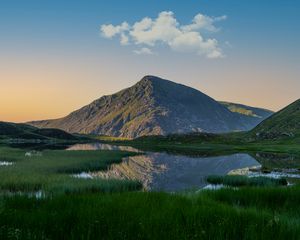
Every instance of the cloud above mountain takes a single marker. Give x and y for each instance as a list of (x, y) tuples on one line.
[(165, 30), (144, 51)]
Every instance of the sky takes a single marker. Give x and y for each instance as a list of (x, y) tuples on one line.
[(57, 56)]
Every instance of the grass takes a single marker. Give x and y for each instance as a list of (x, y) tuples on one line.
[(241, 181), (51, 171), (285, 122), (105, 209), (249, 213)]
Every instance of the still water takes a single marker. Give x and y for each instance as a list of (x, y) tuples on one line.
[(160, 171)]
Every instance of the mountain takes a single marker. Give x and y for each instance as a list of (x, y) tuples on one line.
[(285, 123), (24, 131), (251, 116), (153, 106)]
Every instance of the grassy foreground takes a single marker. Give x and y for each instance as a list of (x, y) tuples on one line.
[(248, 213), (106, 209)]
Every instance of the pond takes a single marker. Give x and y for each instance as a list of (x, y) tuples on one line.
[(159, 171), (171, 172)]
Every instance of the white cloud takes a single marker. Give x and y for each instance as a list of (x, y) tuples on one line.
[(149, 32), (202, 22), (143, 51), (110, 30), (166, 30), (124, 39)]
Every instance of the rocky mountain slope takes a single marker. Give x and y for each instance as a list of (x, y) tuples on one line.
[(153, 106)]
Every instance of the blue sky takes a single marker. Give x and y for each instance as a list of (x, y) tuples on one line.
[(259, 21), (58, 45)]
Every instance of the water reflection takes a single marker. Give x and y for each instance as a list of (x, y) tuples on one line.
[(166, 172), (160, 171), (101, 146)]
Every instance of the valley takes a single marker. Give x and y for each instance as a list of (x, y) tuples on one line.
[(149, 120), (237, 165)]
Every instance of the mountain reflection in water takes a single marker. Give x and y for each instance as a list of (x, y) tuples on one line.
[(166, 172)]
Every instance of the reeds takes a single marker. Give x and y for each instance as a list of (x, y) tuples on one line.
[(241, 181)]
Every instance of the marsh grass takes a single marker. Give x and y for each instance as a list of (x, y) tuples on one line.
[(241, 181), (225, 214), (104, 209), (51, 172)]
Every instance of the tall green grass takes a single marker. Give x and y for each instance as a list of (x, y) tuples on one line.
[(224, 214), (240, 181), (51, 172), (103, 209)]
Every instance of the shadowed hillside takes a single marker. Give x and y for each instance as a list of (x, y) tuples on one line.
[(249, 115), (24, 131), (285, 123)]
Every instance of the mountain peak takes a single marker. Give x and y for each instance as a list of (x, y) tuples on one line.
[(150, 79), (153, 106), (161, 85)]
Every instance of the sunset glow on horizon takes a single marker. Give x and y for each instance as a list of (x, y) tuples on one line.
[(57, 57)]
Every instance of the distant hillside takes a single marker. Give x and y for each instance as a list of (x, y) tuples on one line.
[(247, 110), (153, 106), (285, 123), (249, 115), (24, 131)]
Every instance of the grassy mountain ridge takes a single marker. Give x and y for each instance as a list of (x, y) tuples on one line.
[(153, 106), (285, 123), (24, 131)]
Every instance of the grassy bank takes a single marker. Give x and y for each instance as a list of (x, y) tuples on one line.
[(206, 143), (50, 171), (249, 213)]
